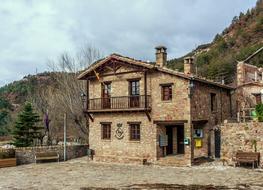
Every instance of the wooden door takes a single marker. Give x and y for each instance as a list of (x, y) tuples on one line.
[(217, 143), (169, 133), (180, 139), (134, 91), (106, 95)]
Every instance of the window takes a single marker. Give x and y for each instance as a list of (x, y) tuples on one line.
[(167, 92), (106, 89), (258, 98), (198, 133), (213, 102), (135, 88), (135, 132), (106, 131), (134, 99), (106, 95)]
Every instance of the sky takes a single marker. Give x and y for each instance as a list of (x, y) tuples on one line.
[(33, 32)]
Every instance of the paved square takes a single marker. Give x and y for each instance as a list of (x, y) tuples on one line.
[(81, 174)]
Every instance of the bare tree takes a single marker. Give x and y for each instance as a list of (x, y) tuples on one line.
[(63, 94), (66, 95)]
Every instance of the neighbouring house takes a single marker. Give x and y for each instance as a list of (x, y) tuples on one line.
[(144, 112), (249, 87)]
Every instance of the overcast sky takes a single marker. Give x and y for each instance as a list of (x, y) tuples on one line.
[(31, 32)]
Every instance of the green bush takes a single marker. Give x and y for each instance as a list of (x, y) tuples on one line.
[(259, 111)]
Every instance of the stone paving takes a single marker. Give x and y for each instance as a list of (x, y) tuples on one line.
[(84, 175)]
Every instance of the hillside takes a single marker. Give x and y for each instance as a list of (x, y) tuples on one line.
[(217, 60), (46, 91), (15, 94)]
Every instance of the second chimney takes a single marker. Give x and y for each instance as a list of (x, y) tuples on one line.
[(189, 65), (161, 56)]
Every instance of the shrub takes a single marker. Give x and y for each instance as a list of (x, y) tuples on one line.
[(259, 111)]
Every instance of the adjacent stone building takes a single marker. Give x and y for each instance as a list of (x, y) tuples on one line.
[(249, 87), (144, 112)]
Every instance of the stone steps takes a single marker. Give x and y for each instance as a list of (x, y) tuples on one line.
[(178, 160)]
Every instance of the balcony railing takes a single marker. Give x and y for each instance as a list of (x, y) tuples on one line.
[(246, 114), (120, 103)]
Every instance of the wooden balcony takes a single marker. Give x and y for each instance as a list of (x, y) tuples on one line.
[(122, 103)]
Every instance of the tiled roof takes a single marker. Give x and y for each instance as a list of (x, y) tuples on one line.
[(148, 65)]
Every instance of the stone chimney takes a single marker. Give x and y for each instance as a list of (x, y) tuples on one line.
[(189, 65), (161, 56)]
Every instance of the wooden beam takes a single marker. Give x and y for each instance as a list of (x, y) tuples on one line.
[(119, 110), (148, 115), (170, 122), (200, 121), (112, 74), (145, 89), (87, 95), (91, 118), (108, 67)]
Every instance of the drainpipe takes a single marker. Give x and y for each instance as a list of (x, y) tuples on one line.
[(221, 105), (191, 91)]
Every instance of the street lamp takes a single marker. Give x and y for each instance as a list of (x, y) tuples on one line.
[(83, 99)]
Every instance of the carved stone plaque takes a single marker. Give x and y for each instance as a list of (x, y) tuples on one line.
[(119, 133)]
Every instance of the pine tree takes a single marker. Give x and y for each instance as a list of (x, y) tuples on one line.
[(26, 129)]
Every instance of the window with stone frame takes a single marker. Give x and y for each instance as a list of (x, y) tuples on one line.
[(167, 92), (258, 98), (106, 131), (135, 132)]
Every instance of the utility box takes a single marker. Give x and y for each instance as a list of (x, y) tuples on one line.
[(186, 141)]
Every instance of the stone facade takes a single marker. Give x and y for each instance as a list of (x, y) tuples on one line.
[(206, 118), (249, 84), (27, 155), (189, 108), (247, 73), (246, 137)]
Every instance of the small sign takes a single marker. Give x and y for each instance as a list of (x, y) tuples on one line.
[(163, 140), (198, 143)]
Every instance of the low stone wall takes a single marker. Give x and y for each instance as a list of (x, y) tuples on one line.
[(27, 155), (241, 137)]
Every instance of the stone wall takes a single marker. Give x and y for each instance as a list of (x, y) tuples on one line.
[(27, 155), (125, 150), (245, 97), (240, 137), (176, 111), (206, 119)]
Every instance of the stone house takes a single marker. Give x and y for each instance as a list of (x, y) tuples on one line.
[(249, 86), (144, 112)]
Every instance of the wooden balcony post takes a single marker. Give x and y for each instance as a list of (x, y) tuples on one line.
[(87, 95), (145, 89)]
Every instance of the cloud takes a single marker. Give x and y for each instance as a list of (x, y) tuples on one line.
[(33, 31)]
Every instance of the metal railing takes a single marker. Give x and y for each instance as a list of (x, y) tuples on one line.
[(119, 103)]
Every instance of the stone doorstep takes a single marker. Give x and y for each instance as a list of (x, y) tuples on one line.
[(115, 159), (176, 161)]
